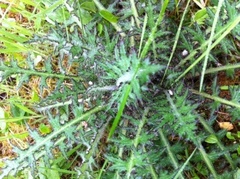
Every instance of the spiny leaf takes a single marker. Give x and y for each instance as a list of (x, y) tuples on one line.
[(43, 145)]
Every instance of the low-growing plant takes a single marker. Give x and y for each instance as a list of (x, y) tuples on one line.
[(122, 95)]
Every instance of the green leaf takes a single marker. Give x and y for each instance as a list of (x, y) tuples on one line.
[(12, 36), (35, 97), (15, 136), (15, 111), (229, 136), (237, 174), (238, 134), (212, 139), (120, 111), (59, 15), (44, 129), (23, 79), (88, 5), (2, 164), (24, 108), (86, 17), (108, 16), (100, 28), (53, 173), (201, 15), (238, 150)]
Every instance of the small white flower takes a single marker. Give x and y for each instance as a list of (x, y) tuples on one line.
[(184, 53), (90, 83), (170, 92)]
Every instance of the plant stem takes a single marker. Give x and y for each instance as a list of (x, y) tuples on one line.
[(207, 160), (30, 72), (135, 13), (219, 36), (170, 153), (210, 43), (154, 29), (221, 146), (176, 41), (215, 98), (136, 142)]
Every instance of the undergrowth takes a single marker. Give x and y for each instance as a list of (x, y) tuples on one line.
[(123, 89)]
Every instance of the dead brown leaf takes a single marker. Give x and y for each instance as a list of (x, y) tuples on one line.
[(226, 125)]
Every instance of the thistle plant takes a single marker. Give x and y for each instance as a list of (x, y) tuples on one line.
[(125, 95)]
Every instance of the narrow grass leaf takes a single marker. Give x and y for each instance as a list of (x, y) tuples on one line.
[(176, 40), (14, 136), (120, 111), (154, 29), (25, 109), (207, 160), (219, 36), (108, 16), (215, 98), (184, 165), (210, 43), (169, 152), (221, 146)]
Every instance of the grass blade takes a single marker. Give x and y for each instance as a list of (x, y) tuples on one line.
[(210, 43)]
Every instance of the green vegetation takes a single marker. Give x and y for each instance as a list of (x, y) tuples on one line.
[(120, 89)]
